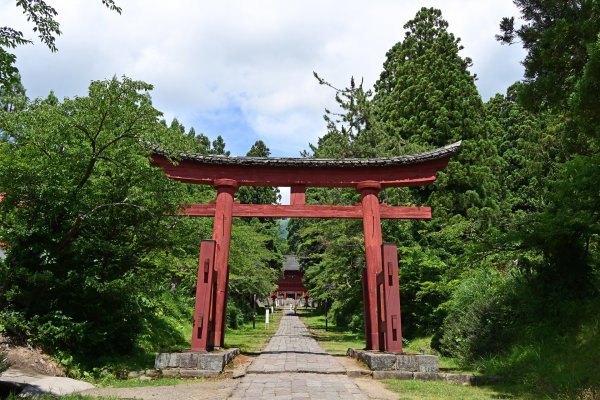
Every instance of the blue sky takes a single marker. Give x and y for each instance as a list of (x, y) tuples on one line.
[(243, 69)]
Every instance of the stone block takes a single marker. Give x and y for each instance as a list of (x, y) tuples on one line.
[(380, 361), (403, 375), (212, 362), (196, 361), (429, 376), (427, 363), (152, 373), (197, 373), (170, 372), (134, 374), (461, 379)]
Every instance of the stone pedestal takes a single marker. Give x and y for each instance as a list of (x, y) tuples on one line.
[(194, 364), (378, 361)]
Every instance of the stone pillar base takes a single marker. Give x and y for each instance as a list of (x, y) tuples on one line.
[(379, 361), (194, 364)]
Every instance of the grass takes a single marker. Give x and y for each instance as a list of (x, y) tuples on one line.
[(253, 340), (423, 345), (246, 338), (427, 390), (556, 357), (336, 340)]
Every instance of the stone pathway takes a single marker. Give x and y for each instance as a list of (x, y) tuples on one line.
[(294, 366)]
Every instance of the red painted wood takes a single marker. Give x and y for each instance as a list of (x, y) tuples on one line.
[(308, 211), (389, 176), (373, 241), (222, 236), (204, 297), (367, 179), (367, 310), (291, 282), (391, 284), (297, 195)]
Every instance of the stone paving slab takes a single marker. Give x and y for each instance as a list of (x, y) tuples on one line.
[(292, 349), (294, 366), (297, 386)]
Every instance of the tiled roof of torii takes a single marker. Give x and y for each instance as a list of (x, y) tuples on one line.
[(436, 154)]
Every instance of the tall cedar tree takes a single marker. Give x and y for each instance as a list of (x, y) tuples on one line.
[(425, 98)]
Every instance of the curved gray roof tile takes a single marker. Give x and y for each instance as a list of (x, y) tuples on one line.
[(436, 154)]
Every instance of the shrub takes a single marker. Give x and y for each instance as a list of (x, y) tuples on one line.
[(479, 317), (235, 315)]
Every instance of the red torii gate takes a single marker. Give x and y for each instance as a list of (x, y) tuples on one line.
[(367, 176)]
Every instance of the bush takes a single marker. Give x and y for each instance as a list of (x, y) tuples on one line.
[(238, 312), (479, 317)]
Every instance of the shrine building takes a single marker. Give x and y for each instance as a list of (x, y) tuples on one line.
[(290, 286)]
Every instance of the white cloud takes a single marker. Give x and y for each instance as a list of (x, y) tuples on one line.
[(254, 57)]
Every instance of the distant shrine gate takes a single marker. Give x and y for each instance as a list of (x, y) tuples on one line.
[(381, 292)]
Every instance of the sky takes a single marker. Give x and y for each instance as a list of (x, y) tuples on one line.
[(244, 69)]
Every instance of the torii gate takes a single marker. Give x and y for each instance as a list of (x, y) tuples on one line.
[(381, 293)]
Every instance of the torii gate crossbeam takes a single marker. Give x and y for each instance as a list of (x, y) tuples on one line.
[(307, 211)]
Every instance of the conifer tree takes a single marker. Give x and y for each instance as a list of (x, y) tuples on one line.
[(426, 94)]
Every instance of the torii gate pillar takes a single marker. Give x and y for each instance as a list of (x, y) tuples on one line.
[(222, 236), (372, 232)]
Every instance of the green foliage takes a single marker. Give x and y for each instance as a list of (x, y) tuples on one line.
[(96, 254), (252, 340), (417, 390), (4, 363), (425, 98), (82, 209), (555, 35), (337, 339), (554, 350), (425, 94), (479, 317), (513, 244)]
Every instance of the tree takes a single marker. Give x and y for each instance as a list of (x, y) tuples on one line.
[(562, 78), (218, 147), (258, 195), (425, 98), (97, 256), (556, 35), (425, 94), (84, 213)]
